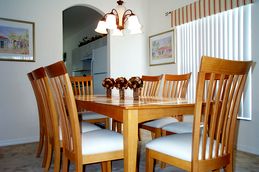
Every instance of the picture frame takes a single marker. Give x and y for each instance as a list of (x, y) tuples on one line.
[(162, 48), (17, 40)]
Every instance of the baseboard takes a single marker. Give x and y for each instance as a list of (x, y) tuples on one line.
[(248, 149), (19, 141)]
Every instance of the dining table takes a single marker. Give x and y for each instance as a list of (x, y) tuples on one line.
[(132, 112)]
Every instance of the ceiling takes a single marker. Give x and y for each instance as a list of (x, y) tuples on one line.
[(78, 17)]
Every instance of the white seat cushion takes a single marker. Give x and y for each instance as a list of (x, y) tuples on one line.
[(101, 141), (179, 127), (86, 127), (92, 115), (176, 145), (159, 123)]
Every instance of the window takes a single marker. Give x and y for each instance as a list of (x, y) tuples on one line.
[(227, 35)]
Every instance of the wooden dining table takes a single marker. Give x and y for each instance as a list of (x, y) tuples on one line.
[(132, 112)]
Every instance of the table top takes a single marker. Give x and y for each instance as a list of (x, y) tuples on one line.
[(130, 103)]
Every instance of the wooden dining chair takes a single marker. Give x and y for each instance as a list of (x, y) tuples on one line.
[(174, 86), (51, 121), (83, 85), (80, 148), (186, 127), (53, 137), (151, 85), (42, 125), (209, 148)]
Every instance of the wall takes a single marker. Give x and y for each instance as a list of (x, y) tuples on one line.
[(18, 110), (158, 23), (248, 135)]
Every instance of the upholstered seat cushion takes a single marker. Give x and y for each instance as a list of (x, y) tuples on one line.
[(86, 127), (101, 141), (179, 127), (159, 123), (176, 145), (92, 115)]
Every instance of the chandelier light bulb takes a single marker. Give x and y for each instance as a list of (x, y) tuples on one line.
[(120, 20), (111, 21), (101, 27)]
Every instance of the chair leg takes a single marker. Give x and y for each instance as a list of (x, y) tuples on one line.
[(109, 166), (48, 157), (158, 132), (153, 136), (78, 167), (104, 166), (229, 167), (65, 163), (84, 167), (162, 165), (138, 158), (139, 135), (163, 133), (114, 125), (107, 123), (57, 159), (119, 127), (45, 153), (149, 162), (40, 144)]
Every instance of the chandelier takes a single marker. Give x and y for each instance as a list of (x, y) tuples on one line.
[(120, 20)]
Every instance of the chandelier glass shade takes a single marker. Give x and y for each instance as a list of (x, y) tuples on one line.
[(119, 21)]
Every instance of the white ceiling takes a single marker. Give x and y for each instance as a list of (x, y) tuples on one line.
[(78, 17)]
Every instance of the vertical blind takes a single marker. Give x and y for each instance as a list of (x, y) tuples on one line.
[(225, 35)]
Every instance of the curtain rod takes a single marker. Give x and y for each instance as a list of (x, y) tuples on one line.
[(167, 13)]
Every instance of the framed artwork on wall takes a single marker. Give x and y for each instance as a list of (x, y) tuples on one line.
[(162, 48), (16, 40)]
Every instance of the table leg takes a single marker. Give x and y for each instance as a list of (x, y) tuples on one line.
[(130, 134)]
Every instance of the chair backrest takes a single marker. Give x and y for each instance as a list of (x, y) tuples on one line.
[(219, 89), (175, 86), (151, 85), (49, 111), (39, 101), (82, 85), (65, 104)]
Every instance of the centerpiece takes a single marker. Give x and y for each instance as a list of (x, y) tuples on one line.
[(109, 84), (135, 83), (121, 83)]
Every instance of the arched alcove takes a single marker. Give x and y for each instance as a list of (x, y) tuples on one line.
[(84, 50), (79, 23)]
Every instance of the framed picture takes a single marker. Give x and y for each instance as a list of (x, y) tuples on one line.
[(16, 40), (162, 48)]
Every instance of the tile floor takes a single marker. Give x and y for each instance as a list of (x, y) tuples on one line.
[(21, 158)]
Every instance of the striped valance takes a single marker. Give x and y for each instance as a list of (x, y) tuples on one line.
[(204, 8)]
